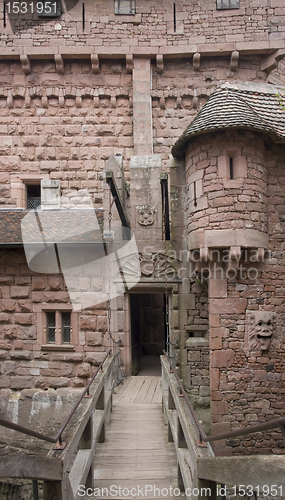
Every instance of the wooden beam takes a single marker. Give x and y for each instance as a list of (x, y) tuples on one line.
[(117, 197), (257, 470), (19, 463)]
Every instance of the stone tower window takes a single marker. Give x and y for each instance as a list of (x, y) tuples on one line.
[(125, 7), (227, 4), (231, 165)]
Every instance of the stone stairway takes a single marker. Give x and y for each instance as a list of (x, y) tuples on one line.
[(136, 460)]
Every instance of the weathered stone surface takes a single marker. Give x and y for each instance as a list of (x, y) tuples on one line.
[(94, 338), (20, 354), (83, 370), (21, 382), (227, 306), (88, 323), (222, 358)]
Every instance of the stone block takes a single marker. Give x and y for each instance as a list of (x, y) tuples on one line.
[(83, 370), (21, 354), (217, 288), (94, 338), (95, 358), (220, 407), (20, 292), (19, 382), (222, 359), (227, 306), (57, 382), (88, 323), (23, 318)]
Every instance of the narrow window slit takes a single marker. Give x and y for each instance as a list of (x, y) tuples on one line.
[(83, 16), (4, 14), (174, 17), (195, 196), (231, 168)]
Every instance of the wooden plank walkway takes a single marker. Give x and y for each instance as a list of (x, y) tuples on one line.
[(136, 455)]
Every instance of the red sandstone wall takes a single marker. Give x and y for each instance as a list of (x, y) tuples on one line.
[(85, 120), (255, 22), (24, 363)]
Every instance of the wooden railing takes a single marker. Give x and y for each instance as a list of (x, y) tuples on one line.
[(199, 471), (184, 431), (70, 463)]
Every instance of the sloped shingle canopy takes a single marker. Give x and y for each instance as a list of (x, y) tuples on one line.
[(249, 106), (75, 225)]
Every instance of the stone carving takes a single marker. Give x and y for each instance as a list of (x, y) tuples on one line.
[(262, 330), (157, 266), (146, 215)]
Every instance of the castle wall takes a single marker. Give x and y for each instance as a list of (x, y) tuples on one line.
[(153, 25)]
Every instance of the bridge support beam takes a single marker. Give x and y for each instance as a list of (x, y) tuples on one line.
[(52, 490)]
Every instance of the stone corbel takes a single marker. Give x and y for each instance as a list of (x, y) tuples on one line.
[(195, 101), (159, 63), (196, 61), (78, 99), (10, 100), (234, 257), (26, 64), (28, 100), (59, 63), (270, 62), (204, 254), (162, 103), (44, 99), (234, 61), (129, 63), (95, 64), (61, 100)]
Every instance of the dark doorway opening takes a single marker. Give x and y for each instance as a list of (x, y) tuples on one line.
[(148, 332)]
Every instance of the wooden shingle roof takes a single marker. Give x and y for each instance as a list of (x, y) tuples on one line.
[(70, 226), (249, 106)]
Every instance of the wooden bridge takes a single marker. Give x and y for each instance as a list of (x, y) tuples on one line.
[(136, 455), (149, 446)]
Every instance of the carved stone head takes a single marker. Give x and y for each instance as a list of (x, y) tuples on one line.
[(262, 330)]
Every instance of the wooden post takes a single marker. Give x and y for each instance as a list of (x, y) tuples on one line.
[(171, 404), (180, 436), (87, 436), (101, 438), (180, 480), (207, 489), (90, 478), (52, 490), (170, 436), (100, 403)]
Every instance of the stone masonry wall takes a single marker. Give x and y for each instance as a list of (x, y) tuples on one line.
[(153, 25), (241, 205), (24, 364), (65, 126)]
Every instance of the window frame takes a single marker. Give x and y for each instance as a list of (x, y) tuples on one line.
[(227, 4), (117, 7), (58, 309), (19, 184)]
